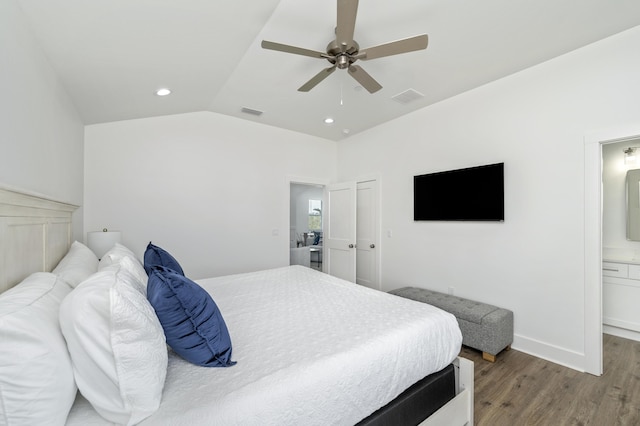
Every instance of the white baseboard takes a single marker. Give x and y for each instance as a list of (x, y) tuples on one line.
[(552, 353), (621, 332)]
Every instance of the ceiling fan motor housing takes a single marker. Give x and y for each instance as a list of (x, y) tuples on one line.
[(342, 56)]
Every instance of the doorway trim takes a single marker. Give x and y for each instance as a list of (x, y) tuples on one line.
[(593, 240)]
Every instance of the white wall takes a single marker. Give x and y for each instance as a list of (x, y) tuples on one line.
[(41, 135), (211, 189), (614, 213), (535, 121)]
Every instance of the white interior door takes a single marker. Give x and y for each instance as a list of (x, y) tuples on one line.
[(340, 234), (367, 234)]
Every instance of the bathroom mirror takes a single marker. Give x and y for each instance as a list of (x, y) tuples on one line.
[(633, 205)]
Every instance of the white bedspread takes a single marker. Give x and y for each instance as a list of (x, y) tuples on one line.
[(311, 350)]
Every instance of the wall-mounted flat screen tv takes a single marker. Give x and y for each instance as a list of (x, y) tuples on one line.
[(473, 194)]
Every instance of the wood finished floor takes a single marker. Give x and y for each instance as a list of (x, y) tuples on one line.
[(519, 389)]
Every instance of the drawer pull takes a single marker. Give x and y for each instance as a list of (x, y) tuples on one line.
[(611, 269)]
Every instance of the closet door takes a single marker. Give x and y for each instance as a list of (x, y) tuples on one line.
[(340, 234), (367, 234)]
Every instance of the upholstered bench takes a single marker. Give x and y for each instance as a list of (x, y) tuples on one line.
[(484, 327)]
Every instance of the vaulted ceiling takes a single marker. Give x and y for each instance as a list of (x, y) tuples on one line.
[(112, 55)]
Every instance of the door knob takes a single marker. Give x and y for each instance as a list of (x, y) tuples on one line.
[(351, 245), (372, 246)]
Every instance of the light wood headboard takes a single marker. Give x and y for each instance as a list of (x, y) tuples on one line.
[(35, 233)]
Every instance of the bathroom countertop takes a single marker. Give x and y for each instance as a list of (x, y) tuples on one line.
[(630, 256), (621, 260)]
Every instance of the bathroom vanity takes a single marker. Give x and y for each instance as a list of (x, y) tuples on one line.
[(621, 297)]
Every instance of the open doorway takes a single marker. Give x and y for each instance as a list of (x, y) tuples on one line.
[(306, 225), (593, 319), (620, 239)]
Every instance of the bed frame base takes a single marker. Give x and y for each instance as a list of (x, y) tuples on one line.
[(458, 411)]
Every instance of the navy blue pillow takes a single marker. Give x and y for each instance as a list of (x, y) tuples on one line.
[(155, 255), (192, 322)]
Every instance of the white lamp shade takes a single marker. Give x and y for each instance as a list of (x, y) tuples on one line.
[(102, 241)]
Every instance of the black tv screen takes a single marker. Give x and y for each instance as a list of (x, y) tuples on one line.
[(474, 194)]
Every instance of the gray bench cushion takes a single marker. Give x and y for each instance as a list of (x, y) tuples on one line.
[(465, 309)]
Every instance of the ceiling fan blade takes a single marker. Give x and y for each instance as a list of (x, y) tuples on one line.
[(347, 11), (317, 79), (292, 49), (364, 79), (394, 48)]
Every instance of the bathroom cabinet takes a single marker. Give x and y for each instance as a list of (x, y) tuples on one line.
[(621, 298)]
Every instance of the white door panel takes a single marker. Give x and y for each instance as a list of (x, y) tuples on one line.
[(367, 234), (340, 235)]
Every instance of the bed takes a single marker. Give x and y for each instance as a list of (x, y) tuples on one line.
[(310, 348)]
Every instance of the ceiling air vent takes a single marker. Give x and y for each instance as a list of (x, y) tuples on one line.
[(251, 111), (407, 96)]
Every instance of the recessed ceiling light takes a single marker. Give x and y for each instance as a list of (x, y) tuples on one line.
[(328, 120), (163, 92)]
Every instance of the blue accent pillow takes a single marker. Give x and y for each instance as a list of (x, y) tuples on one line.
[(192, 322), (155, 255)]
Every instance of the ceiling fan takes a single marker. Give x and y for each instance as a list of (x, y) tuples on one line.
[(343, 52)]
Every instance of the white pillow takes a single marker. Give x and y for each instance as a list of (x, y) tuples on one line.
[(114, 254), (77, 265), (36, 377), (121, 255), (117, 345)]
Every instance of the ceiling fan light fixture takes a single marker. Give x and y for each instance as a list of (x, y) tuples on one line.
[(343, 62), (163, 92)]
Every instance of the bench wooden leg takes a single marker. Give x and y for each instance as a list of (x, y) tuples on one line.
[(488, 357), (492, 358)]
